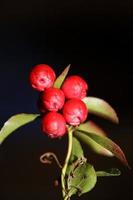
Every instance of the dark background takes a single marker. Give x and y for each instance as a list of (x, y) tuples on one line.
[(96, 37)]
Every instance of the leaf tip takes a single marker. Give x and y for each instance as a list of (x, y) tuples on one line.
[(116, 118), (67, 69), (128, 166)]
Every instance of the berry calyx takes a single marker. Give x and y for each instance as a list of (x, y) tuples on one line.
[(75, 112), (42, 76), (75, 87), (53, 99), (54, 125)]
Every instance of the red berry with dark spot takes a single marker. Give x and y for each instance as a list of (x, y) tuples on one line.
[(75, 112), (75, 87), (53, 99), (54, 125), (42, 76)]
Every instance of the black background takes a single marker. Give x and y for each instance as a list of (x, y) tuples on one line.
[(96, 37)]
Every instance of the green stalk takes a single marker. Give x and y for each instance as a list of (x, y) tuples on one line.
[(63, 174)]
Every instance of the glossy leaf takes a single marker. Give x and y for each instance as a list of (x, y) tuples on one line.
[(107, 144), (110, 172), (82, 180), (91, 127), (101, 108), (14, 123), (58, 82), (94, 146)]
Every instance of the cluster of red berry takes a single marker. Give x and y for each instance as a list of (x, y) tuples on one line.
[(60, 106)]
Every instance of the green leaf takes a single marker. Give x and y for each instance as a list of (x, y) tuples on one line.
[(77, 151), (91, 127), (101, 108), (14, 123), (82, 180), (94, 146), (110, 172), (58, 82), (107, 144)]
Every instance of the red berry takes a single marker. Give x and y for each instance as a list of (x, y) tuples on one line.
[(75, 112), (41, 77), (54, 125), (74, 87), (53, 99)]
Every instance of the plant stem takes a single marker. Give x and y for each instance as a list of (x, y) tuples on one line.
[(70, 131)]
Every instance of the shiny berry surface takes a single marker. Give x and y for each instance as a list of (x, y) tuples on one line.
[(75, 87), (42, 76), (53, 99), (54, 125), (75, 112)]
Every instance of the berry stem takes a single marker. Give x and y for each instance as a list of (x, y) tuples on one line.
[(63, 174)]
